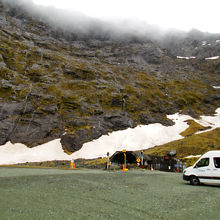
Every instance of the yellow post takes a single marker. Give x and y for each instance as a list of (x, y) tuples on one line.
[(125, 160), (124, 168)]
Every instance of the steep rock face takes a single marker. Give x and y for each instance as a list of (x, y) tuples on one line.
[(192, 44), (78, 87)]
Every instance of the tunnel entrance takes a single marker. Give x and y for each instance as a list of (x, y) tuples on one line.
[(118, 157)]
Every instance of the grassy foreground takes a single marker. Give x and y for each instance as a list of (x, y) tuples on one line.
[(96, 194)]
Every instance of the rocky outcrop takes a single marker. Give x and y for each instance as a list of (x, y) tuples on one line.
[(192, 44)]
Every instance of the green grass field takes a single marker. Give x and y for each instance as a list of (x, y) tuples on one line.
[(96, 194)]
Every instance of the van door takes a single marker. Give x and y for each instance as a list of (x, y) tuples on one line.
[(203, 170), (216, 170)]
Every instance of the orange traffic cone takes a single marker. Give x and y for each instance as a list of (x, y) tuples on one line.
[(74, 166)]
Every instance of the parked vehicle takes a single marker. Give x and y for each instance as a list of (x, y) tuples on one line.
[(206, 170)]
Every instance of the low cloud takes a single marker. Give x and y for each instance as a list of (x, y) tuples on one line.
[(79, 23)]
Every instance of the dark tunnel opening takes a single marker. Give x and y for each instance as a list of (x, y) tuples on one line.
[(119, 158)]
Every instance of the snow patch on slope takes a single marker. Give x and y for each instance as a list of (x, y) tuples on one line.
[(212, 121), (186, 58), (193, 156), (19, 153), (139, 138), (212, 58), (216, 87)]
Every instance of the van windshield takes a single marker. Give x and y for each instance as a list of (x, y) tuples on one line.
[(204, 162)]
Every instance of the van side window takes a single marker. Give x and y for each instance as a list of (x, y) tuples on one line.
[(217, 162), (204, 162)]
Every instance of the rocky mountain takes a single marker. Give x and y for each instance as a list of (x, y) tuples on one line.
[(77, 86)]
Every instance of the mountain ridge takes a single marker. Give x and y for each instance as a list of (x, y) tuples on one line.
[(77, 87)]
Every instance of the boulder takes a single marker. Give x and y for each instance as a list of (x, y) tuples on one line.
[(71, 142)]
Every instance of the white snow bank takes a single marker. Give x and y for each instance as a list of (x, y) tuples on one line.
[(19, 153), (212, 121), (187, 58), (212, 58), (216, 87), (139, 138), (192, 156), (144, 136), (204, 43)]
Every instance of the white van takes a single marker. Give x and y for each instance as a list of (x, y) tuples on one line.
[(206, 170)]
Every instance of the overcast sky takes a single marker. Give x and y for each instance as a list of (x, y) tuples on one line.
[(178, 14)]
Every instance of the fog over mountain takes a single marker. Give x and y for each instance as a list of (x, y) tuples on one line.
[(77, 22), (183, 15)]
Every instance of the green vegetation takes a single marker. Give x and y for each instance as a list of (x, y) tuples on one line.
[(195, 144), (192, 129), (88, 81), (99, 161)]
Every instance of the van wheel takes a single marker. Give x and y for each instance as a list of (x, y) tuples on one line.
[(194, 181)]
